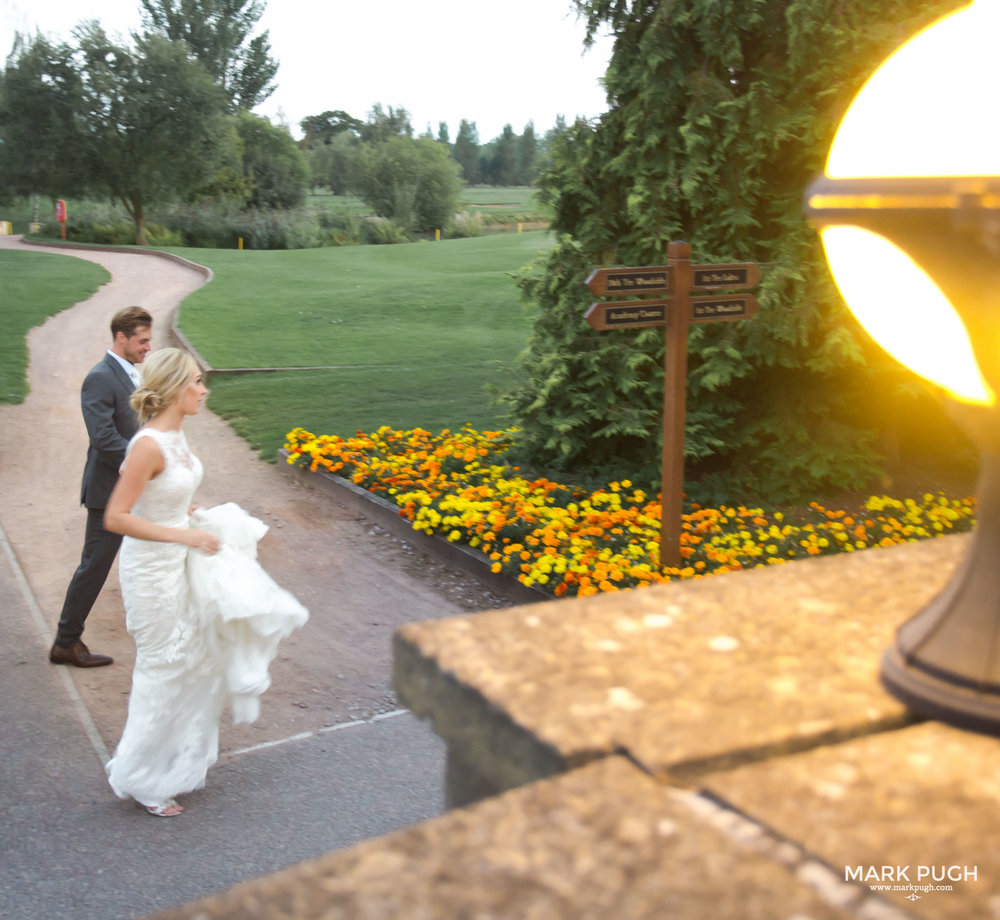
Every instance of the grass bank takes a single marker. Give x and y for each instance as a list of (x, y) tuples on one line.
[(407, 336), (36, 285), (494, 205)]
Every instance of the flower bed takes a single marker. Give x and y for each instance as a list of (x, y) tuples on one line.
[(569, 542)]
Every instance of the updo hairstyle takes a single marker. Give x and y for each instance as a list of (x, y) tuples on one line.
[(165, 374)]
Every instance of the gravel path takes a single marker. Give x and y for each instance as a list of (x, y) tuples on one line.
[(357, 581)]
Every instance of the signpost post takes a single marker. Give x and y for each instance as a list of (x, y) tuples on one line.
[(675, 312)]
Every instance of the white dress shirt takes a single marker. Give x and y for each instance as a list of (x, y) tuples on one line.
[(129, 368)]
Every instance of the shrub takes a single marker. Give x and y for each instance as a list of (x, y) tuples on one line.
[(341, 229), (380, 231), (412, 181), (218, 226), (158, 235), (466, 224)]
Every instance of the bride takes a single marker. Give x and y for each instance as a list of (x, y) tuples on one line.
[(194, 652)]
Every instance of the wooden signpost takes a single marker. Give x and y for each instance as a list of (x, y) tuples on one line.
[(675, 312)]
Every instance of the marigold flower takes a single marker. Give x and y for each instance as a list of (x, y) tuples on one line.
[(606, 540)]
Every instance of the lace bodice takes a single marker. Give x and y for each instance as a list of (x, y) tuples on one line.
[(152, 573), (167, 497)]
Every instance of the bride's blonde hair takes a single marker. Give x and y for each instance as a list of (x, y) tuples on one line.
[(165, 374)]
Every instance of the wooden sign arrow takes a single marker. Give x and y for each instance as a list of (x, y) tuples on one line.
[(627, 314), (676, 312), (725, 277), (720, 308), (626, 282)]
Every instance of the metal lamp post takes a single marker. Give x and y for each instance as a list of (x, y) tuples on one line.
[(909, 213)]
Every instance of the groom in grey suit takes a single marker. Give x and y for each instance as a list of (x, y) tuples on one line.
[(111, 422)]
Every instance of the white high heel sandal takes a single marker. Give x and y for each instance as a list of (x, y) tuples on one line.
[(167, 809)]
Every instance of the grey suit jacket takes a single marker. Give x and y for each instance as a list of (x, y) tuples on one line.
[(111, 423)]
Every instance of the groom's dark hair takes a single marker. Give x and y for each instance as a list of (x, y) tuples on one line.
[(130, 319)]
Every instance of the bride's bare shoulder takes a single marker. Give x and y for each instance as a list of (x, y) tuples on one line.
[(145, 455)]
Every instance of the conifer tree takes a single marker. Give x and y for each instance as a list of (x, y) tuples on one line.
[(466, 151), (720, 114)]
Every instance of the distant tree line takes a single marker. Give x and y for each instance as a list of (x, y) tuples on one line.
[(161, 119), (331, 142), (165, 119)]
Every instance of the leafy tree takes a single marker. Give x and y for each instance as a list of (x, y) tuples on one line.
[(218, 32), (543, 158), (498, 161), (40, 93), (322, 129), (331, 141), (720, 113), (558, 128), (385, 123), (229, 184), (343, 151), (466, 151), (412, 181), (527, 150), (443, 137), (149, 122), (272, 163)]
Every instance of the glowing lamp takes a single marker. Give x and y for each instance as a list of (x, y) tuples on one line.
[(909, 213)]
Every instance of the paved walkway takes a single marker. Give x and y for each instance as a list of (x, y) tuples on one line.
[(333, 761)]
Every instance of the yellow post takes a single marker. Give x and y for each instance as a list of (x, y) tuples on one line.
[(437, 236), (519, 227), (239, 245)]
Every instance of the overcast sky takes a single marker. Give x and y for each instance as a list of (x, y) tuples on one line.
[(490, 62)]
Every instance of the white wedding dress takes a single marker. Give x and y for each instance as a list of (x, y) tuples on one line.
[(205, 627)]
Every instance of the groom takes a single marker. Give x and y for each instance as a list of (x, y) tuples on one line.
[(111, 422)]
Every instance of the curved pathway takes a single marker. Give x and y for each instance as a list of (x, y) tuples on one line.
[(352, 578), (332, 760)]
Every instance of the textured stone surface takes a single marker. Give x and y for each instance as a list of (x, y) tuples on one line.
[(687, 677), (602, 842), (925, 796)]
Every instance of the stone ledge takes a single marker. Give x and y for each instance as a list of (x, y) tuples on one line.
[(686, 678), (601, 842), (924, 797), (488, 752)]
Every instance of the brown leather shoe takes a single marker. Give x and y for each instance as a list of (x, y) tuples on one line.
[(77, 654)]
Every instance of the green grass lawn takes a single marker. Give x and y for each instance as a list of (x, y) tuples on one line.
[(36, 285), (501, 205), (497, 205), (345, 204), (407, 336), (520, 196), (263, 408)]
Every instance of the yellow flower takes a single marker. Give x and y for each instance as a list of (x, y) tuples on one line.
[(605, 540)]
